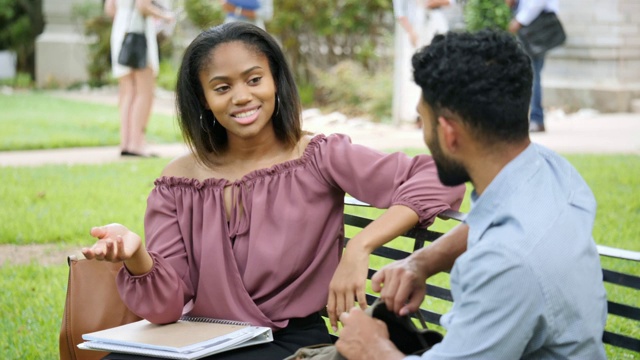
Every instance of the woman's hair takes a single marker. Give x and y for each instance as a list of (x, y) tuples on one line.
[(201, 134), (483, 77)]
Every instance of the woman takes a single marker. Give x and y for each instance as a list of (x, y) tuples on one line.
[(249, 225), (136, 86)]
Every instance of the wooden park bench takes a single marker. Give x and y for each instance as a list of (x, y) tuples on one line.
[(623, 320)]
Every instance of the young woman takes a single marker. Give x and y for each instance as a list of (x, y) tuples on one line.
[(249, 225), (135, 86)]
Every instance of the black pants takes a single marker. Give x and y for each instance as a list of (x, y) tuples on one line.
[(300, 332)]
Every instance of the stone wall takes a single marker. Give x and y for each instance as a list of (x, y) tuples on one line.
[(61, 49), (599, 66)]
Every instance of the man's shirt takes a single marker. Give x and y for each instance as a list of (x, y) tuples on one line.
[(529, 285)]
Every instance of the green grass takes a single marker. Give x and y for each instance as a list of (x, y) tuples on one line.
[(31, 303), (59, 204), (32, 120)]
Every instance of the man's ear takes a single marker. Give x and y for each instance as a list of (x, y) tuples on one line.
[(450, 134)]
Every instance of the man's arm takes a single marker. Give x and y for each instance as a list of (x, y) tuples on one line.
[(499, 305), (405, 279)]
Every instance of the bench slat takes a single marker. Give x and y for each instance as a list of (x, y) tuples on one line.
[(623, 310), (622, 341), (621, 279)]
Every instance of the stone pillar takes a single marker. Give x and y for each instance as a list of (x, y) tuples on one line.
[(61, 49), (599, 66)]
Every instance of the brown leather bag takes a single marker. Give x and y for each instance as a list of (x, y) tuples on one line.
[(92, 304)]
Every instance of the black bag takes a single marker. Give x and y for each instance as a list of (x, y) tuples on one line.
[(543, 34), (134, 50), (403, 332)]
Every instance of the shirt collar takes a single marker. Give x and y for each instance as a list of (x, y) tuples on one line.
[(503, 187)]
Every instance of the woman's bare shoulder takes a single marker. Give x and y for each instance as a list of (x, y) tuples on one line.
[(183, 166)]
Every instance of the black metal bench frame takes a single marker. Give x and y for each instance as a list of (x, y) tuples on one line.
[(421, 236)]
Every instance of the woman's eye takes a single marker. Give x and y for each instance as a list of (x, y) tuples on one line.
[(255, 80), (221, 89)]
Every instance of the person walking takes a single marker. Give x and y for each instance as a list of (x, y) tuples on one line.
[(418, 21), (525, 11), (135, 86), (255, 12)]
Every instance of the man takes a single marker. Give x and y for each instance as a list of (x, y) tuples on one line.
[(524, 287), (525, 11), (251, 11)]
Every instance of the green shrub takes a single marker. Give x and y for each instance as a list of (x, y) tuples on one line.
[(351, 89), (204, 13), (21, 21), (486, 14), (167, 76)]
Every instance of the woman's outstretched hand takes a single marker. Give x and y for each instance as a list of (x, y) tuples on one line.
[(115, 243)]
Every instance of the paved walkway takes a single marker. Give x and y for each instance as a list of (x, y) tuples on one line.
[(581, 132)]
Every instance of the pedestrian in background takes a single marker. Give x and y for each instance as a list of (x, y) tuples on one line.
[(255, 12), (418, 22), (525, 11), (135, 86)]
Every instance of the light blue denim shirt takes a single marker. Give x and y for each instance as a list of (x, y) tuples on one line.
[(529, 285)]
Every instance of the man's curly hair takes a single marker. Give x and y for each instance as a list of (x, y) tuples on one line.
[(485, 78)]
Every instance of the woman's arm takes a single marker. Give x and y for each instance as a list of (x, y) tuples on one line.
[(110, 8), (355, 259), (147, 8)]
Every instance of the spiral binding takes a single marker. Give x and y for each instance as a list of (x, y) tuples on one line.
[(214, 321)]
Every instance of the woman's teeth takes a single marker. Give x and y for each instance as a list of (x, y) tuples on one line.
[(246, 113)]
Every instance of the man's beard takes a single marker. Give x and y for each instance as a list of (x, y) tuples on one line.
[(450, 172)]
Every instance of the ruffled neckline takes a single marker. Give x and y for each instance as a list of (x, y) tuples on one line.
[(254, 175)]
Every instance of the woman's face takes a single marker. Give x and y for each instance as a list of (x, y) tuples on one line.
[(240, 90)]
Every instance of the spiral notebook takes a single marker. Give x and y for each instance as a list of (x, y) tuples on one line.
[(188, 338)]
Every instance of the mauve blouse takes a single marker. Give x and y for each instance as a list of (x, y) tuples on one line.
[(272, 260)]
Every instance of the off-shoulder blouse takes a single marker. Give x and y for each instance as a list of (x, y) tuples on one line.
[(272, 260)]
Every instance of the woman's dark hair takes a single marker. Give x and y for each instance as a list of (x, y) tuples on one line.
[(198, 129), (484, 77)]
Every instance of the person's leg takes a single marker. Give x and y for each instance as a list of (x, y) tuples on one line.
[(141, 107), (537, 112), (126, 92)]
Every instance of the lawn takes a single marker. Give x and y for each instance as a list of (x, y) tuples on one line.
[(31, 120)]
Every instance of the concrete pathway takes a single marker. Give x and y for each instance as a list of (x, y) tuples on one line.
[(582, 132)]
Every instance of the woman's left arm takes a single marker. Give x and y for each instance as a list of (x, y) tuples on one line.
[(147, 8), (407, 187), (348, 282)]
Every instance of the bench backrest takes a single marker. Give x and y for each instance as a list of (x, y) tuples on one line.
[(623, 293)]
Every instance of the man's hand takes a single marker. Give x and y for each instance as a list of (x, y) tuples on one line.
[(364, 337), (401, 285)]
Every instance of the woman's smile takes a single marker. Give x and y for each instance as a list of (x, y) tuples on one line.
[(246, 116)]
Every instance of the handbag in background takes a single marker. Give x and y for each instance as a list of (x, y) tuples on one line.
[(133, 52), (93, 303), (543, 34)]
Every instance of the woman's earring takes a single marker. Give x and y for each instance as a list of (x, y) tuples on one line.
[(278, 104), (202, 124)]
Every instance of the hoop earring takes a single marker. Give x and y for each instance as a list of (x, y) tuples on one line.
[(278, 104), (202, 123)]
